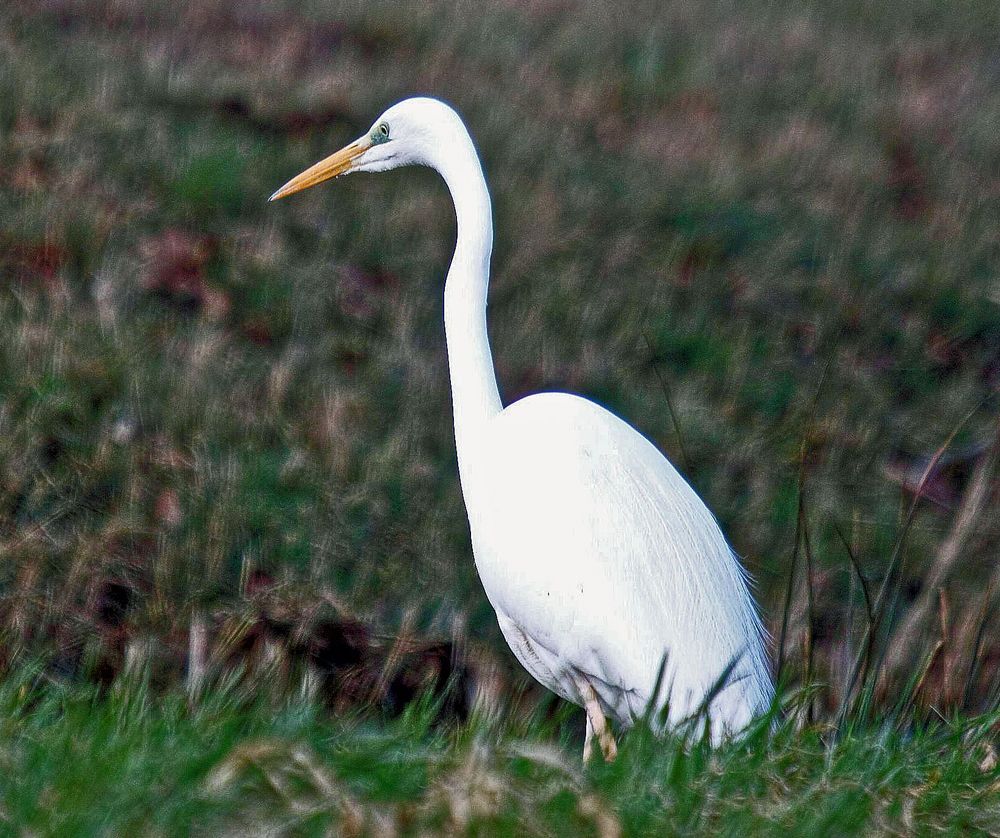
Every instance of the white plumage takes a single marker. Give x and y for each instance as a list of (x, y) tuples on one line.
[(598, 557)]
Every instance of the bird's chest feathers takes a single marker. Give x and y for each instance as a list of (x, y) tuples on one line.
[(534, 559)]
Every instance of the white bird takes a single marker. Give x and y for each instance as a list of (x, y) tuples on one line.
[(610, 578)]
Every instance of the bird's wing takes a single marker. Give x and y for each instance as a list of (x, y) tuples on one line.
[(594, 546)]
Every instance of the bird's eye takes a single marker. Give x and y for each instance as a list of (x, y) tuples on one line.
[(380, 134), (383, 129)]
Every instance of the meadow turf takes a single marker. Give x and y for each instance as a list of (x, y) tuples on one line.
[(128, 763), (765, 233)]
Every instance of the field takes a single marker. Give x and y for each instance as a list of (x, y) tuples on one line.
[(75, 764), (236, 583)]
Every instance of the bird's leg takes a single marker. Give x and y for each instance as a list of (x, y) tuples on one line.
[(597, 725)]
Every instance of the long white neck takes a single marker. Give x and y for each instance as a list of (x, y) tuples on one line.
[(475, 398)]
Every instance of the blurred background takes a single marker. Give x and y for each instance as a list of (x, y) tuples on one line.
[(764, 232)]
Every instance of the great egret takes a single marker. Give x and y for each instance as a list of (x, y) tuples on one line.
[(600, 560)]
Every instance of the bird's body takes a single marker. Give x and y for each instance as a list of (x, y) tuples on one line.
[(600, 560), (574, 500)]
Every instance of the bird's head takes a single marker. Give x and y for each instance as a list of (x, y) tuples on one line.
[(412, 132)]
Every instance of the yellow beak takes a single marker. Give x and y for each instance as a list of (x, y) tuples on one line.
[(338, 163)]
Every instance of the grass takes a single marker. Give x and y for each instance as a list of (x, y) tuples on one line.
[(766, 235), (76, 763)]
